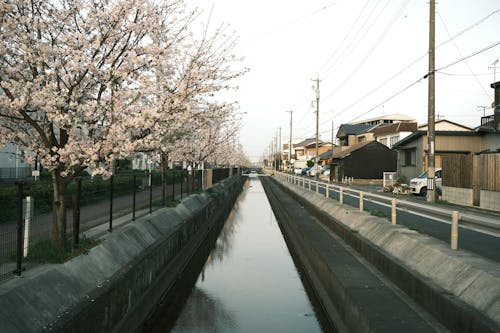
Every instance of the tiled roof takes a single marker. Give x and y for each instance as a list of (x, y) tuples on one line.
[(395, 128), (353, 129)]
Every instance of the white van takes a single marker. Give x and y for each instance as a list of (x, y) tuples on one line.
[(419, 185)]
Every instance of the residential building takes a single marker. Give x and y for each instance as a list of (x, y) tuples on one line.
[(306, 149), (450, 138), (363, 131), (12, 165), (365, 160), (390, 134)]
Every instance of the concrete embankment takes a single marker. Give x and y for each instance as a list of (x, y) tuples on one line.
[(117, 285), (460, 289)]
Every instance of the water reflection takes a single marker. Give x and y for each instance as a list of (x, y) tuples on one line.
[(204, 313), (249, 283)]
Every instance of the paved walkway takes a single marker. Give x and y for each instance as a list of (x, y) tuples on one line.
[(94, 222)]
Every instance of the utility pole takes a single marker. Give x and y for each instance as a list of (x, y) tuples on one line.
[(280, 150), (290, 143), (317, 126), (331, 162), (431, 104), (484, 109), (494, 67)]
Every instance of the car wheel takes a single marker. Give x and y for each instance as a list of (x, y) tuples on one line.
[(423, 191)]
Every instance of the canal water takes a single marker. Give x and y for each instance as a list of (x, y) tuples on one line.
[(249, 282)]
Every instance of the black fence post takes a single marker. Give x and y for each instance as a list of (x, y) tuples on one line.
[(134, 184), (182, 181), (76, 213), (173, 186), (150, 192), (163, 188), (20, 227), (110, 229)]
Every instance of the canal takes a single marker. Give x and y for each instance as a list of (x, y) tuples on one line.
[(249, 282)]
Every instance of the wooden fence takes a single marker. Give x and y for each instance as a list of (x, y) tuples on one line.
[(457, 170), (472, 171), (488, 166)]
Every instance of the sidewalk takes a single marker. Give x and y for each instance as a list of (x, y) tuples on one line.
[(94, 223)]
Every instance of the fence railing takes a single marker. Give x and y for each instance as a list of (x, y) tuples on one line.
[(453, 217), (26, 220)]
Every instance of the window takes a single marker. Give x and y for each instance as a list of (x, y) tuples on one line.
[(410, 157), (394, 139)]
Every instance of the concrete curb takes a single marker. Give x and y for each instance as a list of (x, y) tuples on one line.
[(97, 291), (459, 288)]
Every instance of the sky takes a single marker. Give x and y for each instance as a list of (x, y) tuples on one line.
[(370, 57)]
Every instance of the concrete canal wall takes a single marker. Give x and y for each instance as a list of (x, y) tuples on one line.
[(458, 288), (119, 282)]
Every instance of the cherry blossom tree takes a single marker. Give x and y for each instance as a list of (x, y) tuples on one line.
[(84, 83), (184, 90), (71, 75)]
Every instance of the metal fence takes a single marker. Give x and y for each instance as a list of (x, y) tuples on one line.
[(26, 218), (479, 223)]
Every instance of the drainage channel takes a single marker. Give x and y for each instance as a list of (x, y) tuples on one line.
[(249, 282)]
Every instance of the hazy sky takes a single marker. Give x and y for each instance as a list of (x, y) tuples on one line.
[(365, 54)]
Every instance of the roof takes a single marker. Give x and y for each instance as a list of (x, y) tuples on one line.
[(395, 128), (393, 117), (327, 154), (353, 129), (347, 152), (415, 135), (446, 121), (306, 142)]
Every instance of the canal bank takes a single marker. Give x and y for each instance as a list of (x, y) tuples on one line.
[(249, 282), (458, 288), (118, 283)]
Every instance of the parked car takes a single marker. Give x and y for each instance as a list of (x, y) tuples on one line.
[(297, 171), (418, 185), (305, 171), (313, 171)]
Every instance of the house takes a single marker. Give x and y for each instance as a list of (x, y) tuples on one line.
[(390, 134), (361, 131), (12, 165), (365, 160), (474, 179), (450, 138), (306, 149)]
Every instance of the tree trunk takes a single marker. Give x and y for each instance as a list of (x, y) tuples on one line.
[(59, 186)]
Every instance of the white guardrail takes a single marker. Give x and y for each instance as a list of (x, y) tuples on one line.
[(467, 220)]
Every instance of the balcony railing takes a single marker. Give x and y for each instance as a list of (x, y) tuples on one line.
[(488, 120)]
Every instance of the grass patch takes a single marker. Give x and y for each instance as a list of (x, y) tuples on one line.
[(45, 252), (173, 203)]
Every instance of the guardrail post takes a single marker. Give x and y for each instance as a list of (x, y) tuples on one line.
[(393, 211), (317, 186), (361, 201), (341, 195), (454, 230), (309, 184), (327, 190)]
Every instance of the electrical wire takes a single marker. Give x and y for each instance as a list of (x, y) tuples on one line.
[(460, 53), (469, 56)]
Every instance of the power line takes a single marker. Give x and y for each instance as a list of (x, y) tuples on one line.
[(388, 99), (460, 53), (475, 24), (469, 56)]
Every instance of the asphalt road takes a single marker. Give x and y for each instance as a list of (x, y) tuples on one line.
[(485, 245)]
